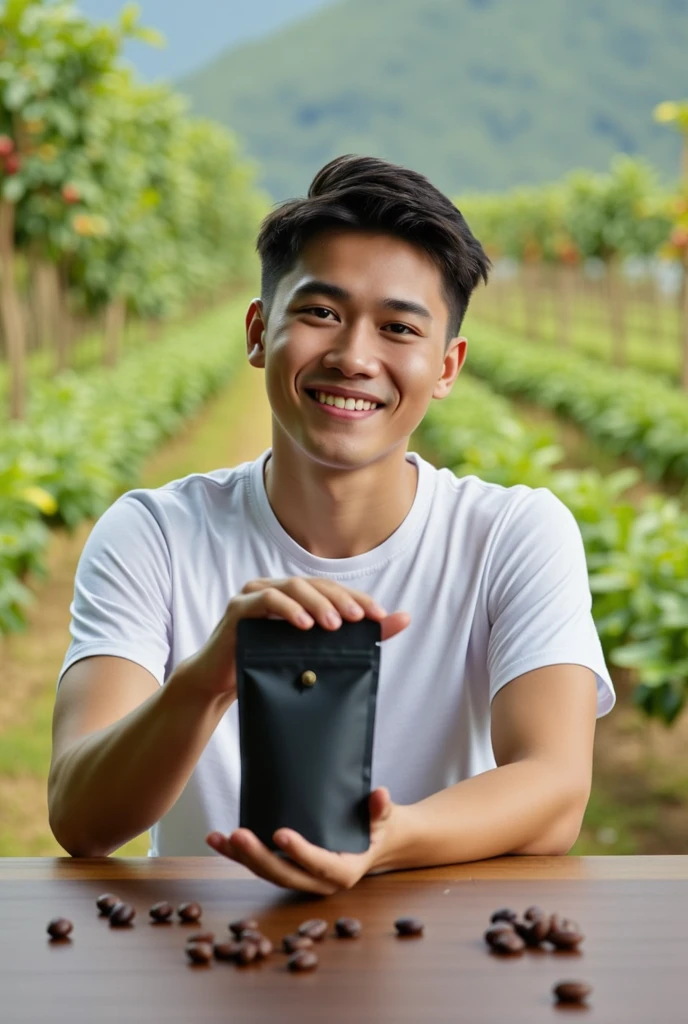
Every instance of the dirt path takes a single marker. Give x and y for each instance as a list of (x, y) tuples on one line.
[(233, 428)]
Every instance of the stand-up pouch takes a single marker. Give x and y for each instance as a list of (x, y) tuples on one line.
[(306, 721)]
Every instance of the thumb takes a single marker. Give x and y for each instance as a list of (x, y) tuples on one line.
[(380, 804)]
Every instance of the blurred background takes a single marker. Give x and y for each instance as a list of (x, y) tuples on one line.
[(140, 146)]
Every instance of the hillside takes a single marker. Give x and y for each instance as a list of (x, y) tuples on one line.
[(477, 94)]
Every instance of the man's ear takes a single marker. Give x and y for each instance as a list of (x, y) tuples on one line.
[(454, 358), (255, 333)]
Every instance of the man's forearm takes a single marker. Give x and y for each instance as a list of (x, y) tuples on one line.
[(112, 785), (524, 807)]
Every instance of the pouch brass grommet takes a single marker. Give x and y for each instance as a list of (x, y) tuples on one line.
[(308, 678)]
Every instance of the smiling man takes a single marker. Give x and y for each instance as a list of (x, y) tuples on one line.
[(492, 674)]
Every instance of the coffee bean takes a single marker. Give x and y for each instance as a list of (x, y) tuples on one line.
[(503, 915), (202, 937), (567, 936), (537, 930), (189, 912), (106, 902), (409, 926), (226, 950), (315, 928), (199, 952), (572, 991), (247, 952), (251, 935), (533, 912), (122, 914), (237, 927), (161, 911), (497, 929), (303, 960), (508, 943), (292, 943), (264, 948), (348, 927), (59, 928)]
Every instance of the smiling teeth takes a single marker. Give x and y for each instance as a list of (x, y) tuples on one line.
[(359, 404)]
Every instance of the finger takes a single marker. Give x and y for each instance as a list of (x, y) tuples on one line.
[(348, 599), (315, 601), (394, 624), (380, 804), (260, 604), (249, 851), (322, 864)]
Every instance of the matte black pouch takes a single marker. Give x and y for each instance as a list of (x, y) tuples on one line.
[(306, 722)]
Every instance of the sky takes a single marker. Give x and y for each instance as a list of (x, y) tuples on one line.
[(197, 30)]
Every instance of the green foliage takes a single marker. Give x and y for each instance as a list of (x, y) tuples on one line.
[(627, 412), (637, 557), (475, 95), (86, 436)]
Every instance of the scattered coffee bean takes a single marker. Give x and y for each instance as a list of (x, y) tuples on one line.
[(537, 930), (292, 943), (122, 914), (59, 928), (567, 936), (409, 926), (202, 937), (247, 952), (189, 912), (348, 927), (199, 952), (303, 960), (572, 991), (315, 928), (251, 935), (226, 950), (264, 948), (508, 942), (504, 915), (497, 929), (161, 911), (237, 927), (106, 903), (532, 912)]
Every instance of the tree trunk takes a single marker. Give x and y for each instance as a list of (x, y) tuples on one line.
[(617, 319), (64, 323), (115, 316), (46, 301), (10, 309)]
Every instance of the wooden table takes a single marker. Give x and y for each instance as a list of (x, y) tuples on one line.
[(632, 910)]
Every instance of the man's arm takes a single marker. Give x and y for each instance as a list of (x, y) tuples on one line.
[(543, 727)]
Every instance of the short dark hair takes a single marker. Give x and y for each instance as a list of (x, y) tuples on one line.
[(368, 194)]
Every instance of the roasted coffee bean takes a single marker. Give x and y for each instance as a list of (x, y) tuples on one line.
[(251, 935), (348, 927), (106, 902), (264, 948), (315, 928), (161, 911), (226, 950), (303, 960), (199, 952), (567, 936), (504, 915), (59, 928), (247, 952), (572, 991), (497, 929), (409, 926), (189, 912), (122, 914), (522, 928), (292, 943), (202, 937), (533, 912), (237, 927), (508, 943), (537, 930)]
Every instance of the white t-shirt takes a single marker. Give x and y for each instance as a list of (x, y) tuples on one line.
[(494, 578)]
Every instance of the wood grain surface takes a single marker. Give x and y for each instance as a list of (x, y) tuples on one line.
[(632, 911)]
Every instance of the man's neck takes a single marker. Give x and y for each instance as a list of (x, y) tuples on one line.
[(339, 515)]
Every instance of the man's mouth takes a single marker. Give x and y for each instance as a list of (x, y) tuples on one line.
[(347, 408)]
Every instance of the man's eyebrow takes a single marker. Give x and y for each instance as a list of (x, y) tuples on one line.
[(334, 291)]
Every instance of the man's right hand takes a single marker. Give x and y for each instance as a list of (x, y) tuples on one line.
[(301, 600)]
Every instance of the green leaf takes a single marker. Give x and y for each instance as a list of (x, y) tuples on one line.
[(13, 188)]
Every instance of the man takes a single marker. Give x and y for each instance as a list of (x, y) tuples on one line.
[(492, 673)]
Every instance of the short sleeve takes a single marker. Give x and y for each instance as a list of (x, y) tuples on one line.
[(539, 599), (122, 591)]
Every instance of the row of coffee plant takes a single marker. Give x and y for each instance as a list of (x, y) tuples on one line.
[(581, 237), (637, 556), (628, 413), (86, 436), (113, 201)]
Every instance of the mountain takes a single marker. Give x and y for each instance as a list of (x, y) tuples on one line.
[(198, 31), (476, 94)]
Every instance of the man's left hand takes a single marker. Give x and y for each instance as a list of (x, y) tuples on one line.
[(310, 868)]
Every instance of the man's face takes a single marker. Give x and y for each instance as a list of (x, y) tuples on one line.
[(330, 333)]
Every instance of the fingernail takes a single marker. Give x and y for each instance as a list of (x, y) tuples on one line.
[(333, 619)]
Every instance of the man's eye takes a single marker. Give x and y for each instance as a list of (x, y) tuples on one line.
[(316, 309), (323, 309)]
